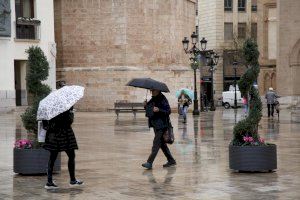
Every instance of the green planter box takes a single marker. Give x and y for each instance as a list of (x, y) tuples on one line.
[(33, 161), (253, 158)]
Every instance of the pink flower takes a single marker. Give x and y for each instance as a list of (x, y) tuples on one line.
[(23, 144), (261, 140), (248, 139)]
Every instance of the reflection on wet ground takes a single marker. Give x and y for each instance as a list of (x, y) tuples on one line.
[(112, 150)]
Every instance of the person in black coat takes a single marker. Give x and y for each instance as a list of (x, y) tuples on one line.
[(158, 111), (60, 137)]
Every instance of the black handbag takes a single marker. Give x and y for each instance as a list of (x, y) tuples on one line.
[(168, 135)]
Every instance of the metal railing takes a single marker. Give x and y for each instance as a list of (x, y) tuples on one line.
[(28, 28)]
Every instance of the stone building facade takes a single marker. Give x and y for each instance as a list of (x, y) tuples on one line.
[(288, 50), (102, 44), (279, 44), (267, 43), (225, 24)]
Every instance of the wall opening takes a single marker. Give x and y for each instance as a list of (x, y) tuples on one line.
[(20, 82)]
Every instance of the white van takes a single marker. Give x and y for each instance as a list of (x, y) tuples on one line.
[(228, 98)]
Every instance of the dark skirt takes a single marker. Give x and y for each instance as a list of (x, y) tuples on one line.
[(60, 139)]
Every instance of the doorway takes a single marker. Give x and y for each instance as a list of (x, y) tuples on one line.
[(20, 67), (207, 91)]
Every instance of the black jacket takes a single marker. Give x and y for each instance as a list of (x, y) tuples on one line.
[(60, 135), (189, 100), (158, 120)]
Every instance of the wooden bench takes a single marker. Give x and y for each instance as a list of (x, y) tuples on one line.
[(126, 107)]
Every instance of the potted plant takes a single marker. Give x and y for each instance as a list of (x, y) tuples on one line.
[(29, 156), (247, 150)]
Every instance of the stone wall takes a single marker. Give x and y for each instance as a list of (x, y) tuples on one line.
[(102, 44), (288, 54), (267, 75), (106, 85)]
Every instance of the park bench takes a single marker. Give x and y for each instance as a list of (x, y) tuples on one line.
[(126, 107)]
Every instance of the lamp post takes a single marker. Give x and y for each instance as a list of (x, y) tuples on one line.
[(212, 61), (235, 68), (194, 57)]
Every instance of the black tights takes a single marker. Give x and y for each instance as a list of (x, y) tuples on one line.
[(71, 164)]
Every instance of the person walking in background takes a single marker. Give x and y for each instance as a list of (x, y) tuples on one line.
[(271, 97), (245, 105), (158, 111), (184, 101), (205, 101)]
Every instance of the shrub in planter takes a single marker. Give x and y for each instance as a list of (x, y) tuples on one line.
[(248, 151), (29, 157)]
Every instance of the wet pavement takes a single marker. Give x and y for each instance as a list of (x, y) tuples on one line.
[(112, 151)]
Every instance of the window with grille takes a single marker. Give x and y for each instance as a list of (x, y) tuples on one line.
[(242, 29), (241, 5), (228, 31), (228, 5), (26, 26)]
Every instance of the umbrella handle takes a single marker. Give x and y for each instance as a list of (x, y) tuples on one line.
[(146, 95)]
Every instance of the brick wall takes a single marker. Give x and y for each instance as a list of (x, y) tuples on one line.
[(102, 44)]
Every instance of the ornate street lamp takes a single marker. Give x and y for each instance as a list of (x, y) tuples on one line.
[(212, 61), (203, 43), (195, 57), (194, 64), (235, 64)]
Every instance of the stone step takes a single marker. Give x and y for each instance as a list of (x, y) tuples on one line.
[(20, 109)]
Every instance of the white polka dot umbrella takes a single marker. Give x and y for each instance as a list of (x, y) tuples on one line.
[(59, 101)]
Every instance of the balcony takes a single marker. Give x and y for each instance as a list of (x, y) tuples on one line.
[(28, 28)]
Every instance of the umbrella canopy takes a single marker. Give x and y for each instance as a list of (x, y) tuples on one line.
[(59, 101), (186, 91), (148, 83)]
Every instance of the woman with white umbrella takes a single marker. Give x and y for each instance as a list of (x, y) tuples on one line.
[(56, 113)]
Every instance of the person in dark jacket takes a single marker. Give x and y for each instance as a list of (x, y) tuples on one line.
[(158, 111), (60, 137)]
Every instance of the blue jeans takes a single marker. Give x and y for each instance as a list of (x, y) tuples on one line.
[(183, 111)]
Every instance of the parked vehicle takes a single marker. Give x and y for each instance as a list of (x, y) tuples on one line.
[(228, 98)]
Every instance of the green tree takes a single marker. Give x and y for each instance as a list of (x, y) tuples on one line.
[(249, 126), (38, 72)]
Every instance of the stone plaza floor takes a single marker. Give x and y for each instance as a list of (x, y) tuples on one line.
[(112, 150)]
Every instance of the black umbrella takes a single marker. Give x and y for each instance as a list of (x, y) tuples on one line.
[(148, 83)]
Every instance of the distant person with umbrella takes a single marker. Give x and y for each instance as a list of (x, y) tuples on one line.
[(184, 101), (56, 113), (157, 111)]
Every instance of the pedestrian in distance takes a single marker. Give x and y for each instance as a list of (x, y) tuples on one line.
[(158, 111), (271, 97), (205, 101), (245, 105), (184, 101)]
